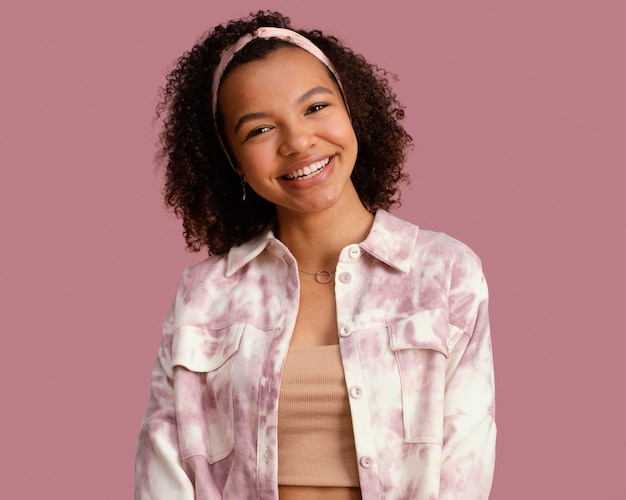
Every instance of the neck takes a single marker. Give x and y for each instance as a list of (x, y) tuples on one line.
[(316, 240)]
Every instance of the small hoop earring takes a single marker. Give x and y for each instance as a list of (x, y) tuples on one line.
[(243, 188)]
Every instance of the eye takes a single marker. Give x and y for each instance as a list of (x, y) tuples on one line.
[(317, 107), (257, 131)]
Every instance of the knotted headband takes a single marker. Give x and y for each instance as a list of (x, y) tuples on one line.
[(269, 32)]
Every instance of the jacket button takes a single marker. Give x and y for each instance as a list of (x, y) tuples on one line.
[(355, 392), (345, 278), (366, 462), (354, 252), (344, 331)]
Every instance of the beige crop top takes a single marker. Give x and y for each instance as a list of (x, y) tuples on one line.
[(315, 437)]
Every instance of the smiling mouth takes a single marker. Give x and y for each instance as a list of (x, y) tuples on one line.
[(307, 172)]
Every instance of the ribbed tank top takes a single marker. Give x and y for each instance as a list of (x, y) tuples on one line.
[(315, 437)]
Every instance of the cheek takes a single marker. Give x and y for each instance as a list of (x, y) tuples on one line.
[(340, 132), (349, 134), (350, 140), (254, 163)]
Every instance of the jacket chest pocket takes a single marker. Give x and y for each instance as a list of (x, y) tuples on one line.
[(420, 347), (203, 389)]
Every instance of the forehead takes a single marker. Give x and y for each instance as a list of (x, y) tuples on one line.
[(285, 70)]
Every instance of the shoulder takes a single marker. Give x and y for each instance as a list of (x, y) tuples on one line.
[(201, 286), (444, 247), (424, 243), (458, 271), (208, 270), (225, 288), (447, 271), (224, 268)]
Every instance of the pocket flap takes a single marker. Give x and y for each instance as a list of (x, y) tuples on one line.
[(202, 349), (423, 330)]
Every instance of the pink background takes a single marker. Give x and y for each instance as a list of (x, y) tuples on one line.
[(518, 112)]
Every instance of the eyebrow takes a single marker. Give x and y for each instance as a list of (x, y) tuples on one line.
[(249, 117), (314, 91), (300, 100)]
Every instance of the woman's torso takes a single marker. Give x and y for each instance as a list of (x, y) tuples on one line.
[(391, 315)]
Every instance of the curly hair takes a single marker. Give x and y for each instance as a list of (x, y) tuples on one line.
[(200, 184)]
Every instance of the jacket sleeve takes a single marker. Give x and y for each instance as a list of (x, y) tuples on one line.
[(469, 412), (159, 472)]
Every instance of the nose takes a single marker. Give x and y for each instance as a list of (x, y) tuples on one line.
[(297, 137)]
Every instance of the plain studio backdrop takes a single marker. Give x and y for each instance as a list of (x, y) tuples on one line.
[(518, 113)]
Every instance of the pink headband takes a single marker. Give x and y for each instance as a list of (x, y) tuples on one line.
[(269, 32)]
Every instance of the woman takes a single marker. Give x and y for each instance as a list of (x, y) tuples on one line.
[(325, 349)]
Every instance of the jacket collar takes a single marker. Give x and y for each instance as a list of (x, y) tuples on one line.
[(391, 240), (239, 256)]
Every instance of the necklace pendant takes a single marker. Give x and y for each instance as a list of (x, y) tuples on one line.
[(323, 276)]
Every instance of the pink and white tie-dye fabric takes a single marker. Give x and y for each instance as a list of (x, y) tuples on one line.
[(414, 338)]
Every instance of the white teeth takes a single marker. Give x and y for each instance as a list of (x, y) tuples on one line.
[(308, 171)]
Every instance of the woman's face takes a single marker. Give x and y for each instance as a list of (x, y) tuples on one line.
[(287, 126)]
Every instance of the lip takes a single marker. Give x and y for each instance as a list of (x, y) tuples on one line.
[(309, 171), (307, 162), (320, 176)]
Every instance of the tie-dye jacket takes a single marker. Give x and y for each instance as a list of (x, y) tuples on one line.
[(414, 338)]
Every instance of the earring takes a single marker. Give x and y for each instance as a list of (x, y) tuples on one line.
[(243, 187)]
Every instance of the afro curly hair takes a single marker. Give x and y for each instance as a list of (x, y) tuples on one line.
[(200, 184)]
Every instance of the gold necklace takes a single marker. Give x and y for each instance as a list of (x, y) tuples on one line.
[(322, 277)]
